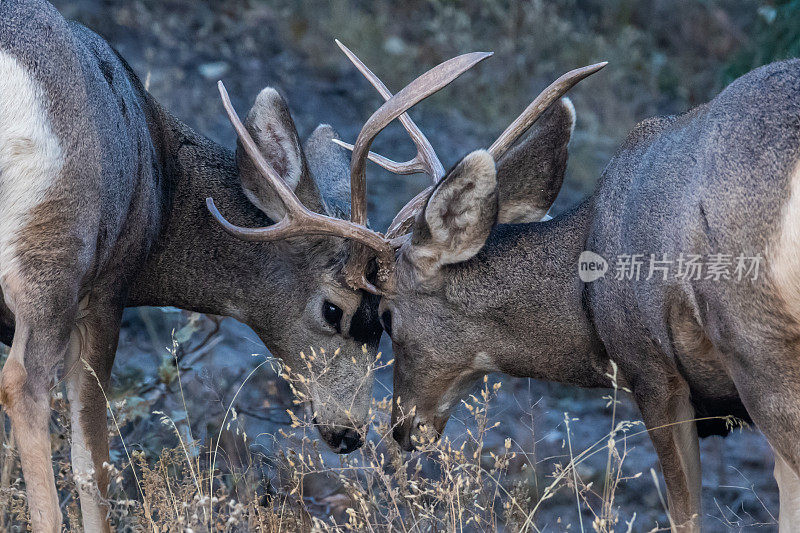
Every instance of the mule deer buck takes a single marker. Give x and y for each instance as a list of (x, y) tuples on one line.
[(481, 285), (103, 205)]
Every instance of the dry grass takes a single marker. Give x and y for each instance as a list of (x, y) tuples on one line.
[(227, 484)]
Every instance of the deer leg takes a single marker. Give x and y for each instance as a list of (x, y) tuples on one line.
[(25, 395), (778, 417), (668, 416), (789, 489), (770, 390), (93, 343)]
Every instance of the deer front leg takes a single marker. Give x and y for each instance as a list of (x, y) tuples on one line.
[(668, 416), (25, 395), (93, 343), (789, 490)]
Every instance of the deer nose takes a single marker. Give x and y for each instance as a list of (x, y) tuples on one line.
[(402, 434), (341, 439), (348, 440)]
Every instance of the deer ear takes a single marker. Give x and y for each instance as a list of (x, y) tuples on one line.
[(329, 165), (270, 124), (458, 216), (530, 174)]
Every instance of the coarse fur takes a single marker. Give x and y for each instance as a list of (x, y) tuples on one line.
[(720, 179), (102, 206)]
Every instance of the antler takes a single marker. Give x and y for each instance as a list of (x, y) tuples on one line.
[(426, 160), (298, 220), (402, 221), (553, 92), (432, 81)]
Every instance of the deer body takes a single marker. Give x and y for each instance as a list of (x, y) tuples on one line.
[(78, 194), (721, 178), (103, 205)]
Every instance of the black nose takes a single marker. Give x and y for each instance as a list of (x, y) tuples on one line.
[(340, 439), (403, 437), (346, 440)]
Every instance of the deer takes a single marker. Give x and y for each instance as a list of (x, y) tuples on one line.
[(108, 201), (484, 281)]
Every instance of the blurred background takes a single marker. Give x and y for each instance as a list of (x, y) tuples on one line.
[(664, 57)]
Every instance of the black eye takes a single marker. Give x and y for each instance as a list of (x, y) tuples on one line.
[(333, 315), (386, 319)]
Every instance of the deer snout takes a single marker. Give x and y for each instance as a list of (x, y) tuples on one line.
[(402, 424), (402, 434), (341, 439), (414, 428)]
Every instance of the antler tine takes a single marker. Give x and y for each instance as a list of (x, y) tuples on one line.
[(419, 89), (402, 221), (539, 105), (408, 167), (288, 199), (425, 160), (432, 81), (298, 219)]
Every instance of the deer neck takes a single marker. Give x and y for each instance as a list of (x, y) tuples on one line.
[(547, 327), (193, 264)]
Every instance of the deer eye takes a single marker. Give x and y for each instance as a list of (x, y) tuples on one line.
[(332, 315), (386, 320)]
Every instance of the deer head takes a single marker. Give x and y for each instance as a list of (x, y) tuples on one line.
[(437, 322), (342, 261)]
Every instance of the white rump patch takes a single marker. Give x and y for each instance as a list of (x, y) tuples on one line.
[(784, 257), (31, 157)]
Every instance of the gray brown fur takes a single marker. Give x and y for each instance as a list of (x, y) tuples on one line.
[(718, 179), (125, 224)]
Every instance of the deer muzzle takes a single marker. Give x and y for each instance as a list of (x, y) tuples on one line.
[(341, 439), (411, 431)]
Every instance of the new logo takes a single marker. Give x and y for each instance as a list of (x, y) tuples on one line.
[(591, 266)]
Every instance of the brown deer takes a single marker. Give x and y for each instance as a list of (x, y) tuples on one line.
[(480, 286), (103, 205)]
